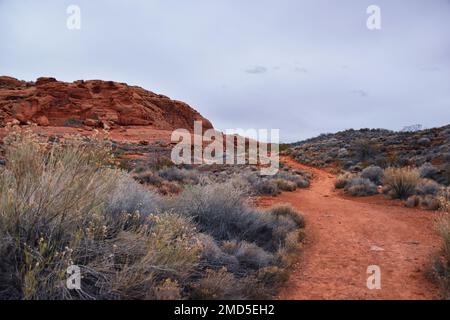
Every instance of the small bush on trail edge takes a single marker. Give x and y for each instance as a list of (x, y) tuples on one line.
[(285, 185), (343, 179), (361, 187), (373, 173), (401, 182)]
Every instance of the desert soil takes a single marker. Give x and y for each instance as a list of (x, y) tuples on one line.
[(346, 235)]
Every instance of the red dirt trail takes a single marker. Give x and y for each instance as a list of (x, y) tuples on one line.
[(346, 235)]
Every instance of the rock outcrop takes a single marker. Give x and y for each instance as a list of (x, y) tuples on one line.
[(94, 103)]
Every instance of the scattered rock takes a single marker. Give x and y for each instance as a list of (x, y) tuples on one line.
[(42, 121), (13, 122), (91, 123)]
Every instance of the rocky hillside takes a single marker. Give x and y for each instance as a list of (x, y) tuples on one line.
[(89, 104), (356, 149)]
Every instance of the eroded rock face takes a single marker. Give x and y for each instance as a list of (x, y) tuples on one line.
[(48, 102)]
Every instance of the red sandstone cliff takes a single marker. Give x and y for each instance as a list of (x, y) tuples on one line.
[(94, 103)]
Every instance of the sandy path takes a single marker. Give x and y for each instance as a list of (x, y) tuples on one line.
[(345, 236)]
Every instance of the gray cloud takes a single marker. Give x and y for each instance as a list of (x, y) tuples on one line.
[(300, 70), (256, 70), (189, 49), (431, 68), (361, 93)]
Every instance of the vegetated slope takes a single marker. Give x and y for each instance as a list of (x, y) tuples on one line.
[(88, 104), (66, 204), (355, 149), (347, 235)]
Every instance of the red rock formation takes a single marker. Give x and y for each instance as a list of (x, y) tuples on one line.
[(94, 103)]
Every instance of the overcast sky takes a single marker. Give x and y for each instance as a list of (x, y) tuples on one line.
[(305, 67)]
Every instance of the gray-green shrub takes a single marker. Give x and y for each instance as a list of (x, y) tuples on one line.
[(361, 187)]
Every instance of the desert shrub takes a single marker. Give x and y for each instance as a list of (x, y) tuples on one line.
[(427, 187), (302, 183), (343, 179), (373, 173), (248, 254), (441, 269), (412, 201), (147, 255), (148, 177), (361, 187), (156, 163), (217, 285), (63, 205), (54, 213), (445, 175), (429, 202), (266, 187), (131, 197), (286, 210), (424, 141), (169, 188), (364, 149), (444, 199), (179, 175), (401, 181), (427, 170), (299, 178), (285, 185), (222, 211), (213, 257)]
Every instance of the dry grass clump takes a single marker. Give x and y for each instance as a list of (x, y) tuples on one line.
[(401, 182)]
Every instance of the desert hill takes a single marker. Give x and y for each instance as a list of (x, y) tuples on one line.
[(353, 149)]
